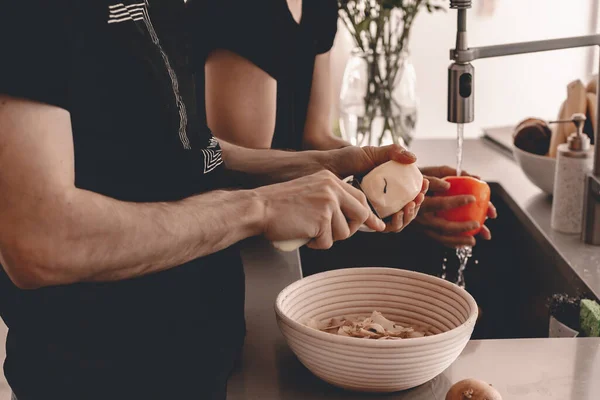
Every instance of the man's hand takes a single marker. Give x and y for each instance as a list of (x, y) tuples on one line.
[(447, 232), (318, 206), (359, 161)]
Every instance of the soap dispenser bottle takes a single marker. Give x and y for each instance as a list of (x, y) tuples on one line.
[(574, 161)]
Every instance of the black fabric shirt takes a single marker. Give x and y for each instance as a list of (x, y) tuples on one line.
[(120, 67), (265, 33)]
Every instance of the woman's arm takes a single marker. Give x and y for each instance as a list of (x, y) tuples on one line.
[(241, 100), (317, 131), (241, 103)]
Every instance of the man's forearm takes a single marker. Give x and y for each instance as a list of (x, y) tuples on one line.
[(53, 233), (94, 238), (271, 166)]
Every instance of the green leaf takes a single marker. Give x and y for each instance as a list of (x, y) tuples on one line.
[(364, 25)]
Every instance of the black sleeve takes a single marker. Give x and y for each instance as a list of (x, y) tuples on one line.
[(327, 17), (245, 27), (35, 50)]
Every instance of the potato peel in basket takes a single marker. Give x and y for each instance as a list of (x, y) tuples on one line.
[(374, 327)]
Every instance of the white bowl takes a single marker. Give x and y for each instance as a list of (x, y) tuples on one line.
[(369, 365), (538, 169)]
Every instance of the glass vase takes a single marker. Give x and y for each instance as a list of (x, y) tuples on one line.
[(378, 101)]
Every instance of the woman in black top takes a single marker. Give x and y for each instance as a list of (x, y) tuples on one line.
[(263, 67), (267, 67)]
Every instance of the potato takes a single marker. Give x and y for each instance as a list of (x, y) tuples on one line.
[(391, 186), (472, 389)]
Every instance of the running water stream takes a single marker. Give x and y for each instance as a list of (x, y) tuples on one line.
[(463, 253), (460, 133)]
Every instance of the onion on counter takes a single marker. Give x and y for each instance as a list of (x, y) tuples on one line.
[(473, 389)]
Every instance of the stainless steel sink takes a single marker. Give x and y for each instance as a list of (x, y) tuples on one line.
[(513, 279)]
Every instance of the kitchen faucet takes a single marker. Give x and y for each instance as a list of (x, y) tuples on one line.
[(461, 98)]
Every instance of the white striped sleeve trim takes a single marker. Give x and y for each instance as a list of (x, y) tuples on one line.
[(121, 5), (121, 13), (112, 21), (212, 159), (126, 12)]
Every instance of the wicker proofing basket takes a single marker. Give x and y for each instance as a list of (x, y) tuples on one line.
[(376, 365)]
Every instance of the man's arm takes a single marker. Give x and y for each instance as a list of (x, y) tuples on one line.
[(54, 233), (317, 131)]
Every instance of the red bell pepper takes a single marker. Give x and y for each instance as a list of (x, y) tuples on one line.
[(477, 211)]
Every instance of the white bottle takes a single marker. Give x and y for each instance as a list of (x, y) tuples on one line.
[(574, 161)]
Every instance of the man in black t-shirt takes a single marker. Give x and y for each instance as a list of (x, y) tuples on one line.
[(117, 246)]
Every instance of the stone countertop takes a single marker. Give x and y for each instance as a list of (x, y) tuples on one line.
[(531, 369)]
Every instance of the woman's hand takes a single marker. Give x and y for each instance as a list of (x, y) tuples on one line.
[(447, 232)]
